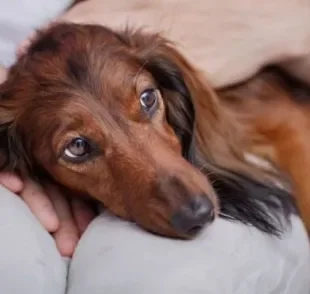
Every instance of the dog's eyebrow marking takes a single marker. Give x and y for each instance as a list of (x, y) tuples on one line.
[(46, 43), (63, 39), (77, 70)]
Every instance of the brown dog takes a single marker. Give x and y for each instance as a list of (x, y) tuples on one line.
[(123, 118)]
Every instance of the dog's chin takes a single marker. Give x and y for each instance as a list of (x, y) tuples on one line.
[(195, 232), (190, 235), (171, 233)]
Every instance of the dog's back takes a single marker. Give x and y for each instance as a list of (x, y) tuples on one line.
[(274, 107)]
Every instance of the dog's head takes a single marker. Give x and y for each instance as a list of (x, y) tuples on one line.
[(109, 115), (125, 119)]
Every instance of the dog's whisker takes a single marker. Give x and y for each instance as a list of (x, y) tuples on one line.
[(225, 215)]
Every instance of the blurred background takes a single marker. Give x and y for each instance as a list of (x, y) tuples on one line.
[(19, 18)]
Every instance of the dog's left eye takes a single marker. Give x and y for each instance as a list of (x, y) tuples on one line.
[(149, 99), (77, 149)]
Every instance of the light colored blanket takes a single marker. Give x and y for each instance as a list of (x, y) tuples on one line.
[(228, 258)]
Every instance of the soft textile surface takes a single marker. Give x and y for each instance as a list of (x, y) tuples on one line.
[(116, 257), (227, 258), (29, 260)]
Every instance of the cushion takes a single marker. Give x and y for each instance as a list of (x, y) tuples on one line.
[(117, 257)]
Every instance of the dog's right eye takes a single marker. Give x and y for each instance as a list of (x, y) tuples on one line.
[(149, 100), (77, 150)]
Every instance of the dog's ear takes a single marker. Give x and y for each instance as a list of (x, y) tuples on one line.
[(209, 134), (185, 89), (13, 157)]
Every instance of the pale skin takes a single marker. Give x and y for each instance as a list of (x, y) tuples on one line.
[(232, 43)]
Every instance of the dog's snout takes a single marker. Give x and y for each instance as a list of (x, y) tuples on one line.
[(192, 216)]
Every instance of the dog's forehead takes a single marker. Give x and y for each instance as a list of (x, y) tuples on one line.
[(66, 37), (90, 59)]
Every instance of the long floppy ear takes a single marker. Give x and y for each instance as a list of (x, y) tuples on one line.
[(13, 157), (176, 76), (192, 105), (210, 137)]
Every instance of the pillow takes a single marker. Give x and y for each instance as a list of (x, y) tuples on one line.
[(117, 257)]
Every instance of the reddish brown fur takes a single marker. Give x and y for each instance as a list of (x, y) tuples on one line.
[(275, 109), (87, 80), (101, 81)]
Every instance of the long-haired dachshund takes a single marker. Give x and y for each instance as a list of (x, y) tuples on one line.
[(122, 117)]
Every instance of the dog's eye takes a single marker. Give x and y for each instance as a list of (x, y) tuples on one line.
[(78, 148), (149, 99)]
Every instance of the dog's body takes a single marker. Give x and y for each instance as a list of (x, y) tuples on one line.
[(116, 114), (274, 107)]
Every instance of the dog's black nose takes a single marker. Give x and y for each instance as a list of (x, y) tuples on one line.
[(193, 215)]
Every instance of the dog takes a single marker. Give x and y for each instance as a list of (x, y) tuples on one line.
[(123, 118)]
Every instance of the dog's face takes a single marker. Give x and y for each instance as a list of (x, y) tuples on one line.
[(105, 114)]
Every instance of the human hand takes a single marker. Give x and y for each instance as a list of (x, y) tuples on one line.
[(230, 40), (2, 74), (65, 219)]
